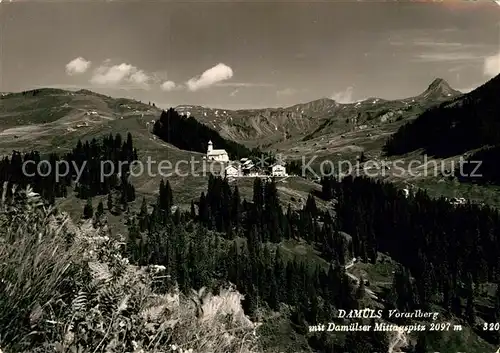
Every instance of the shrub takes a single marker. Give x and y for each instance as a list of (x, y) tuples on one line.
[(66, 288)]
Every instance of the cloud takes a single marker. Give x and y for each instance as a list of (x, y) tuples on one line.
[(344, 97), (117, 75), (492, 65), (168, 86), (286, 92), (218, 73), (238, 86), (139, 77), (435, 44), (243, 84), (444, 57), (77, 66)]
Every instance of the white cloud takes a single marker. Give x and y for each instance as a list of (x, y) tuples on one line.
[(343, 97), (244, 84), (167, 86), (117, 75), (139, 77), (77, 66), (436, 44), (492, 65), (218, 73), (286, 92), (437, 57), (233, 93)]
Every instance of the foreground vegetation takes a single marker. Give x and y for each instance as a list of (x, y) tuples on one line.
[(67, 288)]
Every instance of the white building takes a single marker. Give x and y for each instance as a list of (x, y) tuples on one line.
[(216, 155), (232, 171), (278, 170)]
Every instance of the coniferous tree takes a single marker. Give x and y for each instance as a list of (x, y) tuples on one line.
[(470, 312), (496, 307), (143, 216), (361, 290), (100, 209), (110, 202), (88, 210), (193, 211), (422, 345)]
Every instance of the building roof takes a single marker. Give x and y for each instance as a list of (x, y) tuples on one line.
[(216, 152)]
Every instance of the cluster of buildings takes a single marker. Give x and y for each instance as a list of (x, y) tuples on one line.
[(457, 201), (244, 167), (454, 200)]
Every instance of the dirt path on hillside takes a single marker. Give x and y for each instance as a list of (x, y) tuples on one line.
[(399, 339), (368, 290)]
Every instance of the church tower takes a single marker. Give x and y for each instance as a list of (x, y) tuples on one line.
[(210, 147)]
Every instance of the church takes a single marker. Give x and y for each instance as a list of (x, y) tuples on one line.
[(216, 155)]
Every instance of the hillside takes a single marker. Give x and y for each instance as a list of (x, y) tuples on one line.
[(272, 126), (465, 123), (306, 236), (53, 120)]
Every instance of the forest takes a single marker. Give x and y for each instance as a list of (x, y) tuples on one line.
[(88, 158), (481, 167), (446, 252), (189, 134)]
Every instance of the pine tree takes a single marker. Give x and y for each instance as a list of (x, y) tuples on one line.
[(496, 307), (470, 312), (88, 210), (193, 211), (236, 207), (361, 290), (422, 345), (143, 216), (100, 209), (110, 202)]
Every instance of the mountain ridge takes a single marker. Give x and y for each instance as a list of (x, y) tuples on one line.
[(464, 123), (268, 126)]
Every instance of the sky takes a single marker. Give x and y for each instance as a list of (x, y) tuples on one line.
[(242, 54)]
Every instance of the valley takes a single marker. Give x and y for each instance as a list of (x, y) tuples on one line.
[(314, 132)]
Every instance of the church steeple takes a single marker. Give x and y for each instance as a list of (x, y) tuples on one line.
[(210, 146)]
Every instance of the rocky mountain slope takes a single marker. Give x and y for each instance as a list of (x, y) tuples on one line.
[(468, 122), (269, 126)]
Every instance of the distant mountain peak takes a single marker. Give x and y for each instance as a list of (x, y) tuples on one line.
[(439, 88), (439, 82)]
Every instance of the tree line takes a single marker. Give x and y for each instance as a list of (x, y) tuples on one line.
[(187, 133), (84, 161), (223, 238), (448, 251)]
